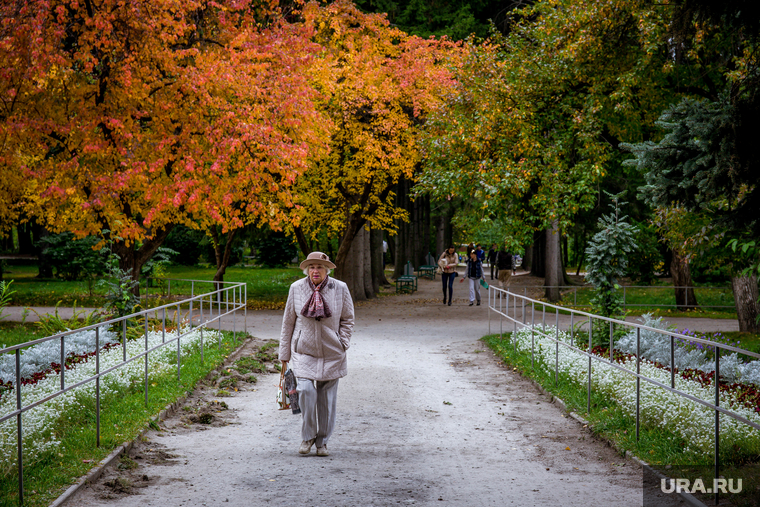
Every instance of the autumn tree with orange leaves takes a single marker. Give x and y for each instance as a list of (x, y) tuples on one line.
[(131, 116), (379, 84)]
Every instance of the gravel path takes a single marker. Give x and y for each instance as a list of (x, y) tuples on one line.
[(427, 416)]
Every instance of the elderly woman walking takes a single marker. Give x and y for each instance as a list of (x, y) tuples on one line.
[(316, 332)]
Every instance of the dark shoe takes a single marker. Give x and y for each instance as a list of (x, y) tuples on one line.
[(449, 302), (471, 303), (478, 303), (444, 299)]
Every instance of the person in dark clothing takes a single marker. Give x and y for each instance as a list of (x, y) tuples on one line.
[(474, 274), (504, 263), (492, 260), (480, 253)]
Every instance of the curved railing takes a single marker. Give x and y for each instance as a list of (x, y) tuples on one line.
[(203, 310), (506, 305)]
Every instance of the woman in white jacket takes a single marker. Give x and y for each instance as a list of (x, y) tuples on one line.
[(316, 332)]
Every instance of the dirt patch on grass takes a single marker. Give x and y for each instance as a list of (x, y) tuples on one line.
[(202, 410)]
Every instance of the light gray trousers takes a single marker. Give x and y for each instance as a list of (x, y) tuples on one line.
[(318, 405)]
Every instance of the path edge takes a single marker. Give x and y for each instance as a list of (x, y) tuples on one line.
[(95, 472), (690, 499)]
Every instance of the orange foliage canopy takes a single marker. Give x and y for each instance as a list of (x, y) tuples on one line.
[(379, 85), (134, 115)]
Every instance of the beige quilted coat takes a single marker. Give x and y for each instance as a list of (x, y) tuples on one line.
[(317, 349)]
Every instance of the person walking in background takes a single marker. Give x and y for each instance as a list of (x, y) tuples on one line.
[(448, 264), (470, 248), (504, 263), (480, 253), (474, 274), (492, 260), (316, 333)]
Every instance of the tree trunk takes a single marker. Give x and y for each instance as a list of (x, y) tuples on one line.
[(527, 262), (44, 269), (366, 263), (538, 262), (684, 287), (747, 305), (303, 243), (427, 224), (553, 276), (440, 236), (378, 261), (25, 241), (132, 261), (221, 255)]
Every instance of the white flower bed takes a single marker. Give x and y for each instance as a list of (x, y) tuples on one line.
[(694, 422), (656, 348), (38, 422), (39, 357)]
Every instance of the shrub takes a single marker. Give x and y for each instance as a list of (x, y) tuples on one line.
[(187, 244), (275, 249), (74, 259)]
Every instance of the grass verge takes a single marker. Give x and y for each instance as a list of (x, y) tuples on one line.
[(123, 416), (267, 288), (608, 421)]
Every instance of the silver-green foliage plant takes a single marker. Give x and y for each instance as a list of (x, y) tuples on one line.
[(607, 258)]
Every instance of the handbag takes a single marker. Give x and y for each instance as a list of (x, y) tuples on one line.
[(282, 394), (291, 385), (483, 283)]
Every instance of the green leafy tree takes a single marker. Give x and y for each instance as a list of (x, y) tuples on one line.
[(698, 167), (607, 259)]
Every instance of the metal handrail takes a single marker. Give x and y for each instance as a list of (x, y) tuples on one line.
[(624, 289), (239, 293), (504, 295)]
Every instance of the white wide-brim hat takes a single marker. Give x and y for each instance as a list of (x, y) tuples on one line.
[(317, 258)]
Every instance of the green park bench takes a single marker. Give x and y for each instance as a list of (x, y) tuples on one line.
[(407, 282), (428, 270)]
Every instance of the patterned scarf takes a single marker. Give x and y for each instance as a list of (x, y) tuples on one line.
[(316, 307)]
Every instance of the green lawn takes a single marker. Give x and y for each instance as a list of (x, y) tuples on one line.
[(267, 288), (13, 333)]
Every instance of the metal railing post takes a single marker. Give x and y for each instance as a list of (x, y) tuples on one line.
[(146, 359), (489, 309), (124, 339), (532, 336), (97, 387), (588, 394), (611, 344), (19, 432), (717, 418), (556, 344), (501, 316), (63, 363), (672, 362), (179, 354), (638, 381)]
